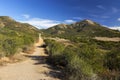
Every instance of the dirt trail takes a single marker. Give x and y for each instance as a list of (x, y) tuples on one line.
[(34, 68)]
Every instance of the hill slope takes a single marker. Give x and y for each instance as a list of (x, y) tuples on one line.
[(84, 28), (92, 53), (14, 35)]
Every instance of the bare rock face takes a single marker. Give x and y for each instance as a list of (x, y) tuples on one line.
[(90, 22)]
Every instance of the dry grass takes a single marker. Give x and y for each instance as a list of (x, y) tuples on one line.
[(61, 40), (16, 58), (115, 39)]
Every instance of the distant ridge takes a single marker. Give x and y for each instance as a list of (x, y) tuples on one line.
[(83, 28)]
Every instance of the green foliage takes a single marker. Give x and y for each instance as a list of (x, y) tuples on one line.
[(9, 46), (55, 49), (28, 40), (112, 65), (78, 69), (92, 55), (15, 35), (80, 29), (75, 66), (87, 56), (113, 60), (107, 45)]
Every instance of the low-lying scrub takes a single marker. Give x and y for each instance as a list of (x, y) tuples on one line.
[(74, 64), (11, 44), (84, 62)]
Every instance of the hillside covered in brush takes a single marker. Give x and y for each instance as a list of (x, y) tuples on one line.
[(86, 28), (15, 35), (84, 50)]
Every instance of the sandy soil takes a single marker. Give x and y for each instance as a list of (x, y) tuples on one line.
[(34, 68)]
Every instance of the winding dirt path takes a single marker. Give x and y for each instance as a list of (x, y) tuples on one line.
[(34, 68)]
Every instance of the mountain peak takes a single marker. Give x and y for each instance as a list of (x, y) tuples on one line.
[(89, 21), (62, 26)]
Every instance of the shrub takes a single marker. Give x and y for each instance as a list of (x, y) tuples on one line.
[(78, 69), (55, 52), (28, 40), (75, 67), (113, 60), (112, 64), (9, 47)]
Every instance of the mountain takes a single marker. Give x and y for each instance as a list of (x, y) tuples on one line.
[(82, 28), (15, 35)]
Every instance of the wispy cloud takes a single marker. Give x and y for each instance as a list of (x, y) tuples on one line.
[(69, 21), (115, 10), (98, 16), (26, 16), (93, 15), (105, 16), (78, 18), (118, 19), (41, 23), (101, 7)]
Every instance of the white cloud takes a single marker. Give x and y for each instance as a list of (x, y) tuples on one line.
[(115, 28), (69, 21), (41, 23), (100, 7), (26, 16)]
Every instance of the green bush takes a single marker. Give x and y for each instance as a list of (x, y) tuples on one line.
[(78, 69), (92, 55), (55, 52), (9, 47), (27, 40), (75, 67), (112, 65), (113, 60)]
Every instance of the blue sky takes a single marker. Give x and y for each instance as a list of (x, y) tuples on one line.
[(46, 13)]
